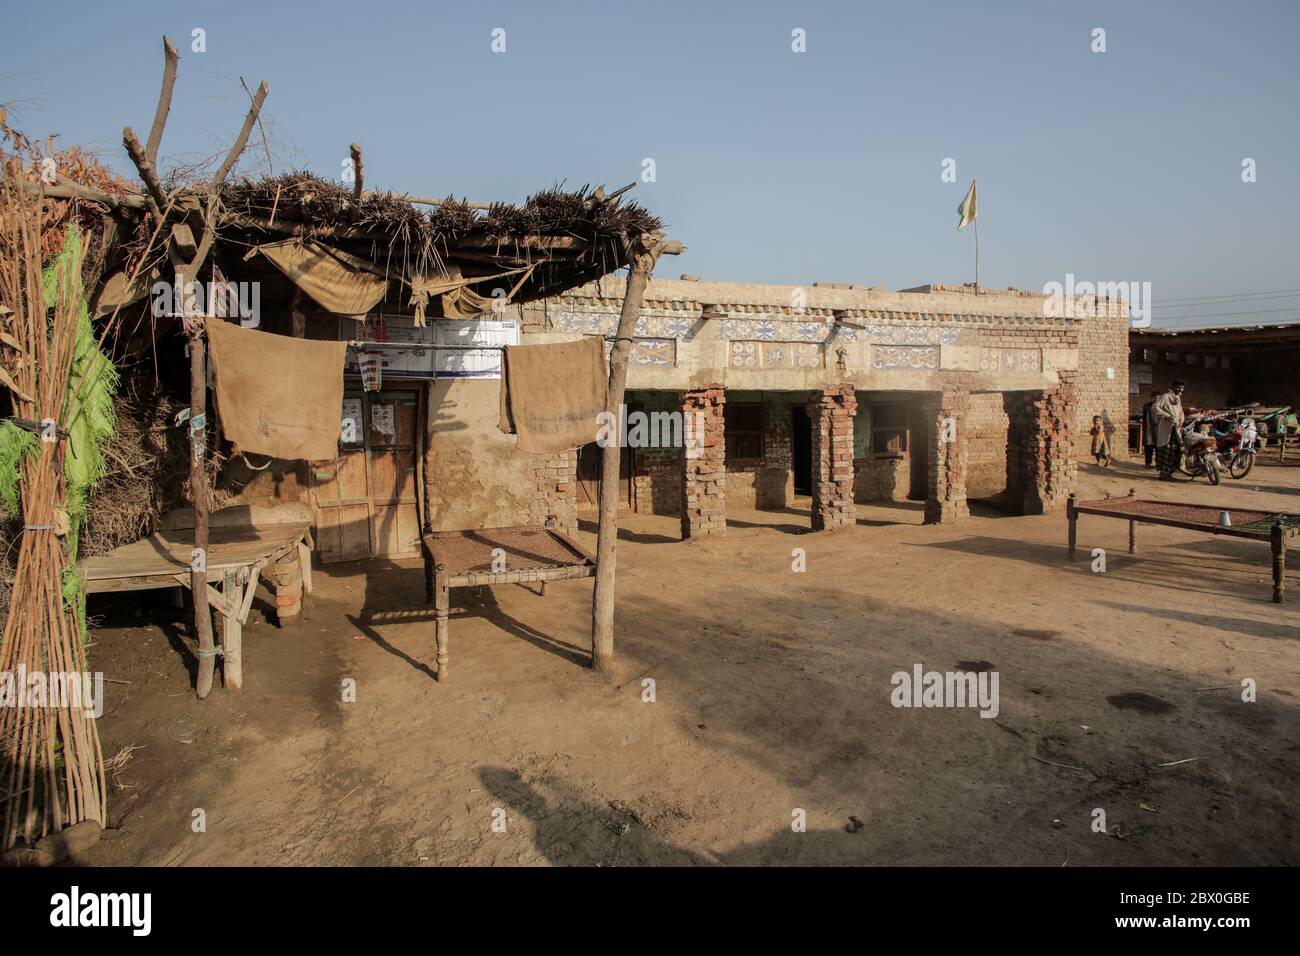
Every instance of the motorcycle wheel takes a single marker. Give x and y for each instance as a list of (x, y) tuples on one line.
[(1241, 465), (1212, 470)]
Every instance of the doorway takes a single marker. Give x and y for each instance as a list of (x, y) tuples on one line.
[(801, 448), (366, 498), (589, 468)]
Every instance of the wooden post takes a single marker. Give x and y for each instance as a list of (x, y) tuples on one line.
[(602, 606), (1132, 528), (441, 611), (160, 204), (199, 492), (1073, 517), (1277, 540), (232, 634)]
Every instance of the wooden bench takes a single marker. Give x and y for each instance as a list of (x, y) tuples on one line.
[(237, 557)]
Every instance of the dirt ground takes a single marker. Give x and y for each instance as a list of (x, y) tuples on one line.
[(772, 694)]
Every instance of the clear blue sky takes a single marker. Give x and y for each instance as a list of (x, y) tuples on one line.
[(773, 166)]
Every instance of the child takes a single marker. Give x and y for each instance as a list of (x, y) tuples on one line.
[(1100, 446)]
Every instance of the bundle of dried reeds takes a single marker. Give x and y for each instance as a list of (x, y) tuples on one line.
[(51, 764)]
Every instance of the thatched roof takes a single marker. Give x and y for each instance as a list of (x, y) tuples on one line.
[(573, 235)]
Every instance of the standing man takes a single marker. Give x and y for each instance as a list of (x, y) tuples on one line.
[(1149, 428), (1169, 420)]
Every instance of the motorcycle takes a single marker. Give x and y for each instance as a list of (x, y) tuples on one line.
[(1238, 449), (1235, 443), (1200, 455)]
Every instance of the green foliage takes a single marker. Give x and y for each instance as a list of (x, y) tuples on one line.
[(15, 444), (90, 418), (90, 415)]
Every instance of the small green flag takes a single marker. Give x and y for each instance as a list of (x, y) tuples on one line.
[(967, 210)]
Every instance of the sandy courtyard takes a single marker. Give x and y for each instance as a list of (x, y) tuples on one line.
[(772, 695)]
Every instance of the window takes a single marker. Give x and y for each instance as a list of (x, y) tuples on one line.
[(889, 428), (743, 426)]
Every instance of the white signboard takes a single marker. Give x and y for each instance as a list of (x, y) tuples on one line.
[(473, 348), (468, 363)]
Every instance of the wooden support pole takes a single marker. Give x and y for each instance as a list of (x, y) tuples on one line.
[(1132, 527), (441, 611), (199, 493), (1073, 516), (602, 607), (1277, 542), (232, 635)]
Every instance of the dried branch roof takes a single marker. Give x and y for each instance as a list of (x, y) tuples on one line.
[(573, 235)]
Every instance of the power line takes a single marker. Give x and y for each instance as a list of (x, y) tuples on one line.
[(1211, 315), (1274, 293)]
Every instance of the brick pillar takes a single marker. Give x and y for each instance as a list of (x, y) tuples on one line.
[(557, 489), (832, 411), (704, 482), (946, 419), (286, 576), (1040, 448)]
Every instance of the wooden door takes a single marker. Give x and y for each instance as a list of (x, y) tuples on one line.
[(366, 504), (590, 458), (393, 440)]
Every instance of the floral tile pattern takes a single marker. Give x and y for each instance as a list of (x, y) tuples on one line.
[(905, 357), (1011, 360)]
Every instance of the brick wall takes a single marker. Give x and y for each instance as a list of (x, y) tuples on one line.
[(881, 479), (1103, 345), (557, 489), (986, 446)]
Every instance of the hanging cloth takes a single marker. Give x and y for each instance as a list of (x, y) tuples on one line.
[(277, 395), (337, 281), (551, 395)]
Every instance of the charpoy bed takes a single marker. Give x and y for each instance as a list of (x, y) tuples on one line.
[(1274, 527), (516, 555)]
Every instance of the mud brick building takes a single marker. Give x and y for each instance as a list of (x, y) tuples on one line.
[(1221, 366), (845, 394)]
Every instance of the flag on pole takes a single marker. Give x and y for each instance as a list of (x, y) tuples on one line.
[(967, 210)]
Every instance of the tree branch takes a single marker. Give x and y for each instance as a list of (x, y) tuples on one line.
[(259, 97), (148, 174), (359, 175), (171, 58)]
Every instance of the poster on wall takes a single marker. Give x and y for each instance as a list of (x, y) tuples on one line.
[(382, 421)]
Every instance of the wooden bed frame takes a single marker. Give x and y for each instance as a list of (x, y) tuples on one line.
[(524, 553), (1255, 524)]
